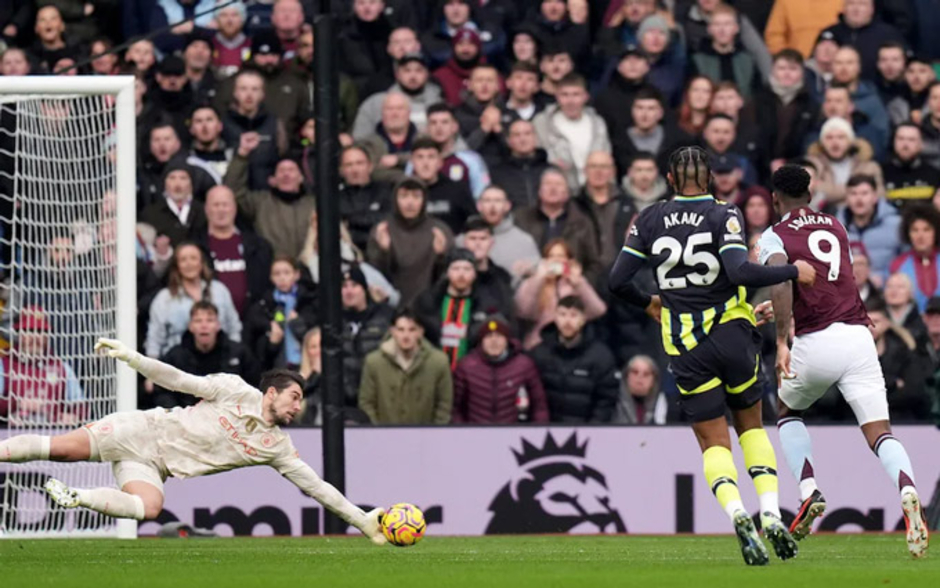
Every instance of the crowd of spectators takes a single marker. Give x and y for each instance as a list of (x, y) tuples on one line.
[(494, 154)]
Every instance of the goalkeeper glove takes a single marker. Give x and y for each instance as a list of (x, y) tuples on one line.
[(116, 349)]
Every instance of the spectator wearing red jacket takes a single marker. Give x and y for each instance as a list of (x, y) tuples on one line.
[(497, 383)]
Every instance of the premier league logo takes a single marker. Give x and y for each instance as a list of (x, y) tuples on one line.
[(554, 491)]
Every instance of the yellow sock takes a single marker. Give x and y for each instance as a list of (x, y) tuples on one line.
[(722, 478), (761, 463)]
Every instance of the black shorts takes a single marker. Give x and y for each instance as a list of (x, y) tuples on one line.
[(721, 371)]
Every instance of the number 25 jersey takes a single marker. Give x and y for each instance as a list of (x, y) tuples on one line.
[(683, 240), (821, 240)]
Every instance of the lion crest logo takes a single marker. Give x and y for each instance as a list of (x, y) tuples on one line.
[(554, 491)]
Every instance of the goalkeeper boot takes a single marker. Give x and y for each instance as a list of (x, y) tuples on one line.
[(916, 523), (811, 509), (61, 494), (752, 548), (372, 528), (776, 532)]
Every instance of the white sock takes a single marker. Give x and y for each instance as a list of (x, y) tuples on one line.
[(733, 507), (896, 462), (24, 448), (798, 451), (769, 504), (807, 487), (113, 502)]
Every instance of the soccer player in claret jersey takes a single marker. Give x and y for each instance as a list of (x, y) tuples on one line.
[(832, 347), (697, 247), (235, 425)]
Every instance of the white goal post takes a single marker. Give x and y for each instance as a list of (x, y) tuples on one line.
[(68, 263)]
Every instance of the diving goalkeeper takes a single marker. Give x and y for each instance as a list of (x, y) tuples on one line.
[(235, 426)]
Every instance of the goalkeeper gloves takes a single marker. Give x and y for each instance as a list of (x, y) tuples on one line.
[(116, 349)]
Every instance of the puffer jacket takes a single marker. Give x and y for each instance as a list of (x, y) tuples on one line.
[(486, 390), (582, 383)]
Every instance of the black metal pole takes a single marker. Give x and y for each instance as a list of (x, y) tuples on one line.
[(326, 109)]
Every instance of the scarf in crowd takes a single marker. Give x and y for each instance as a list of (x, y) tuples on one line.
[(786, 94), (455, 323), (288, 301)]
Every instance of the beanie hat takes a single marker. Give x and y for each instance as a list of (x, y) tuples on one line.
[(468, 34), (461, 254), (652, 22), (355, 274), (838, 124), (494, 323)]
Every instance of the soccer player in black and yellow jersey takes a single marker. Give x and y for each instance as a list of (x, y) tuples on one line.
[(698, 250)]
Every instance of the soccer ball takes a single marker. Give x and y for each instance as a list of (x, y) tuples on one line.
[(403, 524)]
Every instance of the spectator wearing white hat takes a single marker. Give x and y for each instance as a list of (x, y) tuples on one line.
[(838, 156)]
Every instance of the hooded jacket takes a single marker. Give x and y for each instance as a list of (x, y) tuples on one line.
[(410, 262), (421, 394)]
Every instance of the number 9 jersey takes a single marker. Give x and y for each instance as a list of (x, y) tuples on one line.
[(683, 240), (821, 240)]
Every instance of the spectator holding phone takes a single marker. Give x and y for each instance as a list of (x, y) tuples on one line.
[(557, 275)]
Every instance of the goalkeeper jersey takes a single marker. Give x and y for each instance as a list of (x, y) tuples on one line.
[(223, 432)]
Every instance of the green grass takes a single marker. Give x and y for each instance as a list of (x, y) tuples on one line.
[(516, 562)]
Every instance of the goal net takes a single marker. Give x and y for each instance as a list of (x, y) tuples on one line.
[(67, 165)]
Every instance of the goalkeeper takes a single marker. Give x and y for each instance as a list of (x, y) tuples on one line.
[(235, 426)]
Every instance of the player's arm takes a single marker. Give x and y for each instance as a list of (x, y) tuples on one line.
[(631, 260), (741, 272), (782, 297), (162, 374), (303, 476)]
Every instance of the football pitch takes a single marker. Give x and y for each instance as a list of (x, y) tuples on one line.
[(448, 562)]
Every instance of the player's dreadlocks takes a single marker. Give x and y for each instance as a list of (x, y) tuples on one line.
[(689, 163)]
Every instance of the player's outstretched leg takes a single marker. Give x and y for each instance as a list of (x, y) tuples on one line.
[(109, 501), (722, 477), (24, 448), (761, 463), (72, 446), (798, 451), (897, 464)]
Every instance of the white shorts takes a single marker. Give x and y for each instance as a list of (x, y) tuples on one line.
[(842, 355), (128, 441)]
